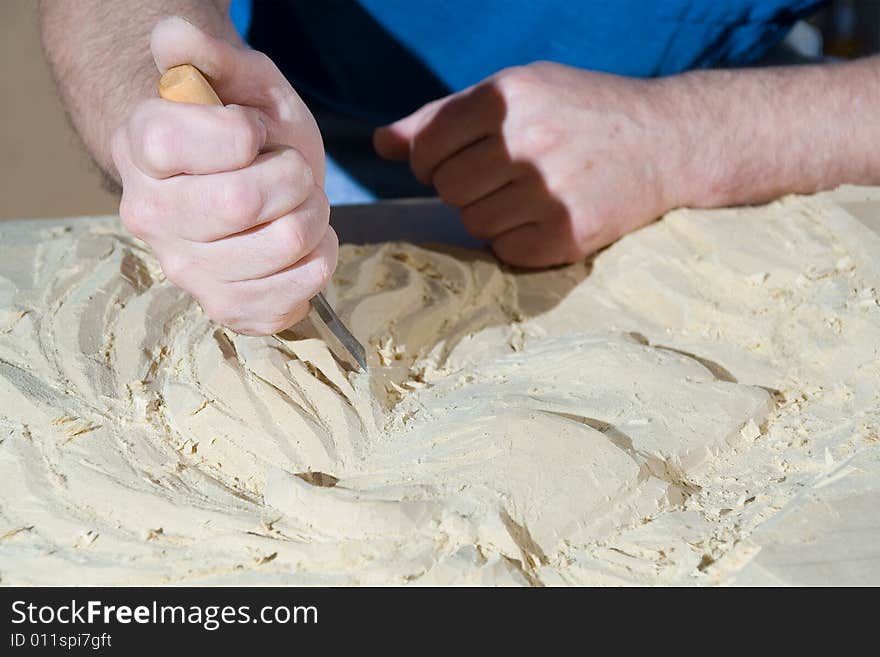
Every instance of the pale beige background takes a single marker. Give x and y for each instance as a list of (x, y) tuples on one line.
[(44, 171)]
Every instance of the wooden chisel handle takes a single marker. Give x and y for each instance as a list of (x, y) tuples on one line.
[(186, 84)]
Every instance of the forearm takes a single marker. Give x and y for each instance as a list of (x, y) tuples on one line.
[(748, 136), (100, 55)]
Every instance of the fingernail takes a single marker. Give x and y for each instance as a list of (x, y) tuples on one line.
[(182, 18)]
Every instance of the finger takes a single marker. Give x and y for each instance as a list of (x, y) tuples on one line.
[(446, 126), (167, 139), (474, 172), (211, 207), (269, 248), (271, 304), (531, 245), (510, 206)]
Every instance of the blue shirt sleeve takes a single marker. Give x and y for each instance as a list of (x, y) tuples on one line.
[(241, 12)]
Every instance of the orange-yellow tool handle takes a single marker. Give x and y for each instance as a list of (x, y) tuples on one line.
[(186, 84)]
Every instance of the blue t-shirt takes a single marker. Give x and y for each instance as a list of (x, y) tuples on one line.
[(363, 63), (380, 59)]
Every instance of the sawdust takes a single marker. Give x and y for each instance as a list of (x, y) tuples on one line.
[(697, 405)]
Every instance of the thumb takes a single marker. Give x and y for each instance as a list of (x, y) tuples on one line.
[(176, 41), (393, 140)]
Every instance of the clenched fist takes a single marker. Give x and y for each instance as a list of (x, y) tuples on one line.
[(230, 198), (547, 162)]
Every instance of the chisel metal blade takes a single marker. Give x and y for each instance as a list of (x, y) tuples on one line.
[(340, 330)]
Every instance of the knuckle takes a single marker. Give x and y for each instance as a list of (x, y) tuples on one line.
[(279, 321), (240, 201), (244, 135), (225, 306), (515, 82), (296, 172), (327, 260), (158, 140), (234, 302), (137, 216), (290, 238), (176, 269), (322, 272), (312, 218), (450, 193), (326, 265), (474, 224), (538, 138), (491, 99)]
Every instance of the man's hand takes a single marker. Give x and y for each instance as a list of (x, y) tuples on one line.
[(547, 162), (550, 163), (230, 198)]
